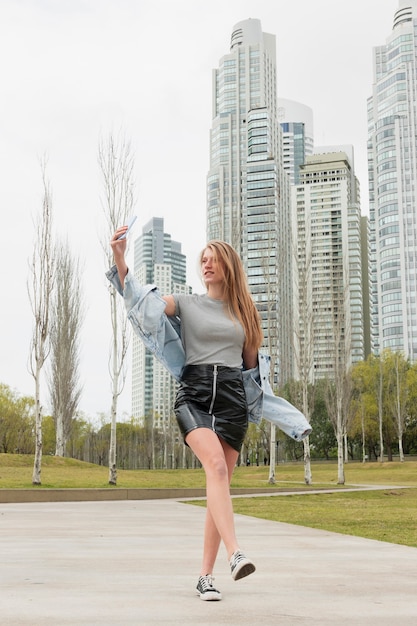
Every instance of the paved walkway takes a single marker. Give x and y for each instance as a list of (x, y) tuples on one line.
[(130, 563)]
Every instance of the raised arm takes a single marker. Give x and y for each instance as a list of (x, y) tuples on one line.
[(119, 248)]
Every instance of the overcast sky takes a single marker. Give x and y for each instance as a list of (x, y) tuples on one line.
[(73, 71)]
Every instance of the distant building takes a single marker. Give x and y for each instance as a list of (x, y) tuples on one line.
[(296, 121), (248, 200), (327, 228), (158, 260), (392, 164)]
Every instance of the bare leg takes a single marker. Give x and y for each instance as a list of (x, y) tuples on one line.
[(218, 460)]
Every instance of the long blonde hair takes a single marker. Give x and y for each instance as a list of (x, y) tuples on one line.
[(236, 292)]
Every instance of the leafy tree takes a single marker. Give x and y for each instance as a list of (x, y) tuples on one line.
[(322, 439), (251, 448), (48, 434), (16, 422), (81, 436), (410, 434), (364, 404)]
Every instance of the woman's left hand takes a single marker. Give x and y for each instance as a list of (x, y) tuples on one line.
[(119, 245)]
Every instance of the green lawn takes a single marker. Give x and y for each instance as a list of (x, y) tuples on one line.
[(386, 515), (57, 472)]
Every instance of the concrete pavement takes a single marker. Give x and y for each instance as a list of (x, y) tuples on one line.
[(131, 563)]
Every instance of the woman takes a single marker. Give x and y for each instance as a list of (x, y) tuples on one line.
[(221, 333)]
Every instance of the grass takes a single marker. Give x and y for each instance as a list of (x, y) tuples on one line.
[(65, 473), (58, 472), (386, 515)]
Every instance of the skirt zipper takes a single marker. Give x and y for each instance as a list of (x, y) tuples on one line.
[(213, 394)]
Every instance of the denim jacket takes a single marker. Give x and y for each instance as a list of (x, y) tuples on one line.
[(162, 336)]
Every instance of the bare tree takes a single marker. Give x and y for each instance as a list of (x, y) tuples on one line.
[(66, 319), (339, 387), (360, 381), (268, 309), (116, 163), (304, 335), (397, 395), (40, 286), (271, 323), (380, 397)]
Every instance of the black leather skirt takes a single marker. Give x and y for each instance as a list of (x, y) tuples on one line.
[(213, 396)]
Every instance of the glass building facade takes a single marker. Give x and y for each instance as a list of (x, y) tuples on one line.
[(248, 202), (296, 121), (157, 260), (392, 164)]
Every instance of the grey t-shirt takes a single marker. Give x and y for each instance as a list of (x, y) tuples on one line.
[(208, 333)]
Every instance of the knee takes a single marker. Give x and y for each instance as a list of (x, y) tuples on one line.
[(217, 468)]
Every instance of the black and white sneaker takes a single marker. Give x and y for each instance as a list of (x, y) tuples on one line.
[(240, 565), (205, 588)]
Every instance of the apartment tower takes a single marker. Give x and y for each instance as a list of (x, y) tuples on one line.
[(157, 260), (329, 299), (248, 201), (392, 162)]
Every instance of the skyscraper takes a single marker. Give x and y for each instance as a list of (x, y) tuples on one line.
[(296, 121), (157, 259), (327, 226), (248, 201), (392, 163)]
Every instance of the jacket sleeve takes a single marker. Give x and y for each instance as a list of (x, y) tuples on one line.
[(285, 415), (146, 312), (262, 402)]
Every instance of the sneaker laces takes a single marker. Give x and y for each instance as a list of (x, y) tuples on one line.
[(237, 557), (207, 582)]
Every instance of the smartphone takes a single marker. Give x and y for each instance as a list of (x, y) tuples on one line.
[(130, 223)]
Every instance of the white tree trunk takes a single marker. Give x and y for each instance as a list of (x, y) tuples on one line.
[(174, 456), (380, 416), (152, 445), (340, 443), (37, 465), (345, 447), (308, 477), (340, 460), (59, 435), (165, 444), (399, 411), (112, 448), (272, 452), (381, 436), (363, 434), (43, 272), (400, 447), (115, 394)]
